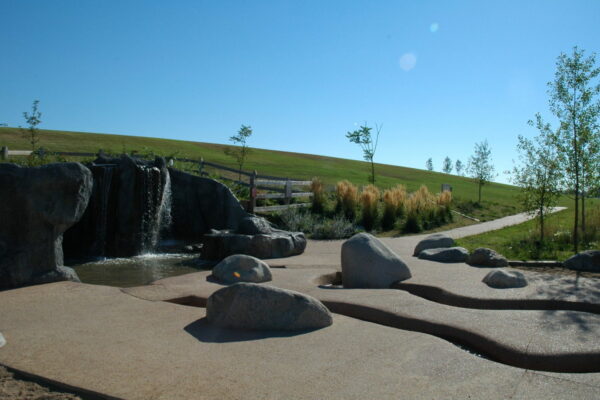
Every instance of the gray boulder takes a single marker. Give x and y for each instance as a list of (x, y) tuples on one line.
[(37, 206), (435, 241), (254, 226), (258, 307), (484, 257), (242, 268), (369, 263), (448, 254), (584, 261), (501, 279)]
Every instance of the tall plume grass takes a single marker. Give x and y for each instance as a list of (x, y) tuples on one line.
[(347, 199), (369, 199), (318, 198), (394, 200)]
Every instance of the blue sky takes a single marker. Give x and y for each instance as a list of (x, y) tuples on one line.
[(438, 75)]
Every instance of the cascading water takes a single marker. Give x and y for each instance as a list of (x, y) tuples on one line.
[(129, 209)]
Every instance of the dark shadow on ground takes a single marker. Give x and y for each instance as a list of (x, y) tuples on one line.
[(207, 333)]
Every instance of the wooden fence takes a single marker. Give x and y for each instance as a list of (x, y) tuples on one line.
[(260, 186)]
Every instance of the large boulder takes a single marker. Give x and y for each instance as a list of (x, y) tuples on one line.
[(257, 307), (448, 254), (242, 268), (501, 279), (37, 206), (254, 225), (584, 261), (277, 244), (484, 257), (435, 241), (369, 263)]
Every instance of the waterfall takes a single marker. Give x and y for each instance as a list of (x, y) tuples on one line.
[(165, 209)]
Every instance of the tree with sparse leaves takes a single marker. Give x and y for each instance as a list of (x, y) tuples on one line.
[(33, 120), (458, 166), (574, 101), (539, 173), (241, 151), (447, 167), (362, 137), (429, 164), (480, 166)]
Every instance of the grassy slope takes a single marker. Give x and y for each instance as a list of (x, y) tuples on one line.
[(501, 199)]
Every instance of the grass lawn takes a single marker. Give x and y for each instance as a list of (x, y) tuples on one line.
[(519, 242)]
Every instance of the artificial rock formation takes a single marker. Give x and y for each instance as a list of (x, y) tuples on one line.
[(435, 241), (501, 279), (37, 206), (130, 203), (369, 263), (447, 254), (484, 257), (585, 261), (242, 268), (257, 307)]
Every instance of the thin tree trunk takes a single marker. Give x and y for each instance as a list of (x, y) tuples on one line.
[(372, 172), (479, 201), (583, 213), (576, 223)]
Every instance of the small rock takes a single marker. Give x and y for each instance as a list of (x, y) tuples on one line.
[(2, 340), (584, 261), (448, 254), (242, 268), (483, 257), (501, 279), (369, 263), (435, 241), (257, 307)]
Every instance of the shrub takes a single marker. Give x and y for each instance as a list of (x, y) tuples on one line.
[(336, 228), (369, 199), (393, 205), (347, 199), (318, 199)]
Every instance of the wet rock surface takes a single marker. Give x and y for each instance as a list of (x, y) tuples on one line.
[(43, 203), (257, 307), (369, 263)]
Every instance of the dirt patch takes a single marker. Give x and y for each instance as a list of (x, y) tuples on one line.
[(12, 388)]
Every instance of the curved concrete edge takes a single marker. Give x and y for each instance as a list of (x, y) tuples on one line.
[(442, 296), (495, 351), (88, 394), (471, 341)]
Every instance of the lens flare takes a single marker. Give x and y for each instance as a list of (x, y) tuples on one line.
[(408, 61), (434, 27)]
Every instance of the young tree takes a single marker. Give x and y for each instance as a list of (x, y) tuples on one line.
[(539, 173), (241, 151), (458, 166), (480, 165), (429, 164), (447, 167), (363, 138), (33, 120), (574, 101)]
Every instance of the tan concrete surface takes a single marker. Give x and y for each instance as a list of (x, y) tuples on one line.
[(103, 340)]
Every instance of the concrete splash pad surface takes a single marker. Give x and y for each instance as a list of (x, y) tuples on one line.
[(130, 343), (103, 340)]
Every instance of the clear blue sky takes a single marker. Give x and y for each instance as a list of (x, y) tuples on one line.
[(439, 75)]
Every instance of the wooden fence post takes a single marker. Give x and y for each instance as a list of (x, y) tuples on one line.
[(288, 191), (252, 201), (4, 153), (201, 166)]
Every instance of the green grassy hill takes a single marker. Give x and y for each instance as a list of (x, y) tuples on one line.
[(499, 199)]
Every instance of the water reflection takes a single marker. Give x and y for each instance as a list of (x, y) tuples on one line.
[(138, 270)]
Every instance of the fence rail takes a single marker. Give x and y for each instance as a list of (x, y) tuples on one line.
[(275, 187)]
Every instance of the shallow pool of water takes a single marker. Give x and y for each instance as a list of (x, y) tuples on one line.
[(137, 271)]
